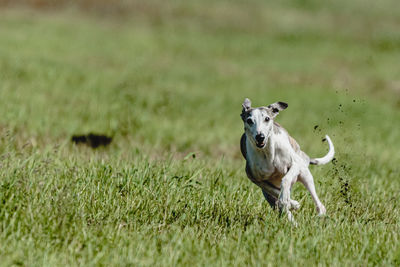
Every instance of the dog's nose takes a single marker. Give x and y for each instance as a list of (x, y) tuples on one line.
[(260, 137)]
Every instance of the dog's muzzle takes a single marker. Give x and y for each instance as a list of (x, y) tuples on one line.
[(260, 138)]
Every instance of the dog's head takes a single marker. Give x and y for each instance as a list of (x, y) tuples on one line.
[(258, 122)]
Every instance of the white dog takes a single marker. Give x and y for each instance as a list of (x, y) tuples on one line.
[(274, 160)]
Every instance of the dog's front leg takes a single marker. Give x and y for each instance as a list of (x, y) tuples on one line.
[(284, 197)]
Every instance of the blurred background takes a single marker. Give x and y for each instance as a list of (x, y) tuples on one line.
[(171, 75)]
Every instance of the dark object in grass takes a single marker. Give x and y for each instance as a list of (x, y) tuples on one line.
[(92, 140)]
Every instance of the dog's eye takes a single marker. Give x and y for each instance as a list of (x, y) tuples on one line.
[(267, 119), (250, 121)]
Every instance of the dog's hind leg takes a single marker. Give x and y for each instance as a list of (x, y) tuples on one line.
[(307, 179)]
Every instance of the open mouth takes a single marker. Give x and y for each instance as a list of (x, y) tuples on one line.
[(260, 144)]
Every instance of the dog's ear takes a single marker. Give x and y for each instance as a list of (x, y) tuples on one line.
[(276, 107), (246, 108), (246, 104)]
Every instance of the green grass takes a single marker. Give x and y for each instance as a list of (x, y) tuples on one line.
[(167, 82)]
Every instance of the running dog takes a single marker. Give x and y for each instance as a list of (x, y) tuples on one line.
[(274, 160)]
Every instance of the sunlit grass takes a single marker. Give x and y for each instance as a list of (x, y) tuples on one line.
[(167, 83)]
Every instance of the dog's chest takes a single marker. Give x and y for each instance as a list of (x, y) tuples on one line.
[(266, 166), (263, 168)]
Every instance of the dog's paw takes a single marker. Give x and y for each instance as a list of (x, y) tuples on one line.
[(321, 210), (284, 205), (294, 205)]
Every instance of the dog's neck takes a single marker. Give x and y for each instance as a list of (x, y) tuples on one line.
[(269, 149)]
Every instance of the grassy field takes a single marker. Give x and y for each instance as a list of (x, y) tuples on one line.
[(167, 82)]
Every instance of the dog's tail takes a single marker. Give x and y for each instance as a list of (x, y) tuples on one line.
[(328, 157)]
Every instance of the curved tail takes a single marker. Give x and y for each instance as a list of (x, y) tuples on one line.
[(328, 157)]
